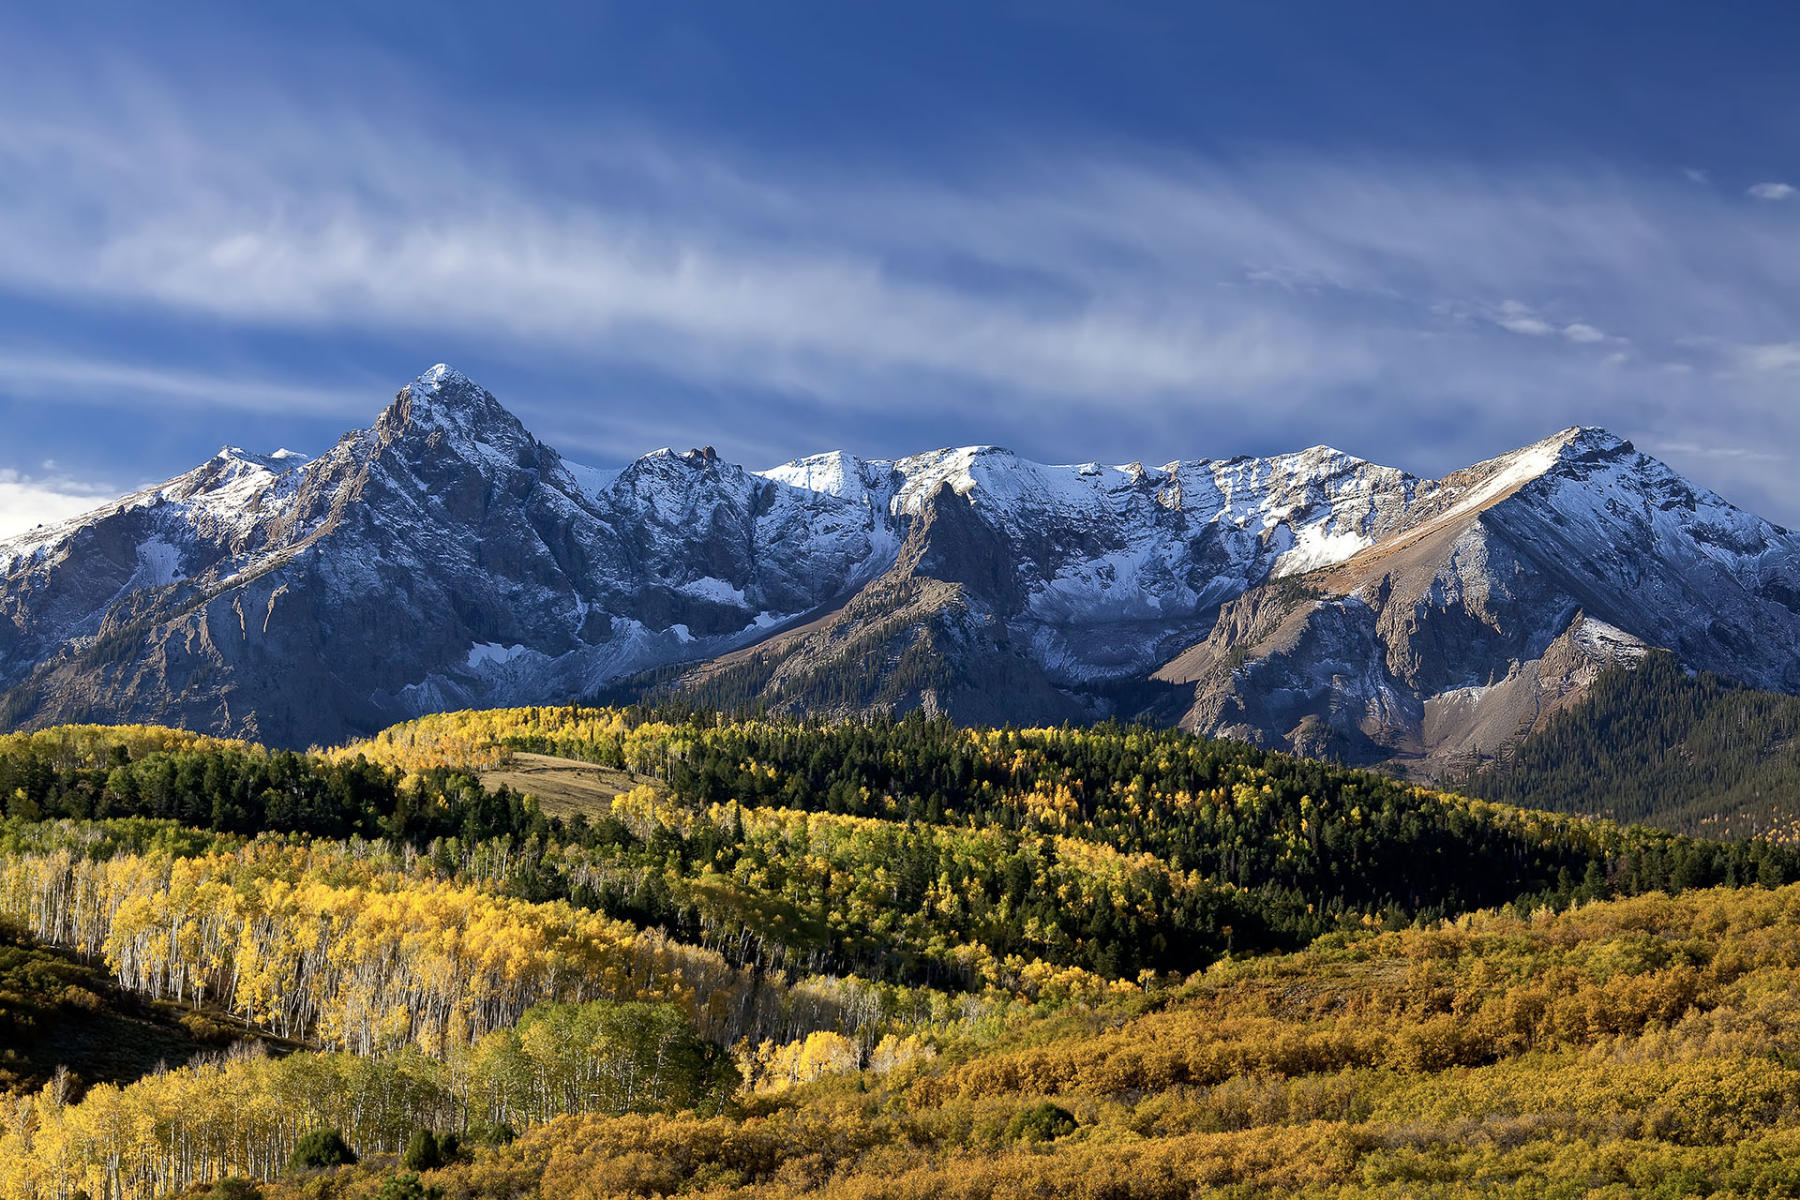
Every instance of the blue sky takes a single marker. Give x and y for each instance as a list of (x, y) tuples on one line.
[(1424, 233)]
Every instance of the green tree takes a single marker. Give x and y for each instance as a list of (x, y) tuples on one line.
[(406, 1187), (1042, 1122), (427, 1151), (321, 1148)]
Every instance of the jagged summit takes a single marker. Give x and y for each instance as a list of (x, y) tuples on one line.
[(444, 399), (1575, 443), (1590, 437), (443, 375), (443, 387)]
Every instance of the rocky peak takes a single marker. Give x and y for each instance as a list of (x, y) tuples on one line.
[(684, 489), (1581, 441), (685, 469), (1575, 449), (444, 430), (445, 401)]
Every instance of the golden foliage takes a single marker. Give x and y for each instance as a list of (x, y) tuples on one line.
[(66, 746), (1624, 1049)]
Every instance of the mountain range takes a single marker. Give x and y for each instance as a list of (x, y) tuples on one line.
[(445, 558)]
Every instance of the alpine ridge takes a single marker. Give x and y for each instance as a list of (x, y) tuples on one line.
[(444, 558)]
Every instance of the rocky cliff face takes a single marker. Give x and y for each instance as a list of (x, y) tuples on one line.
[(444, 557)]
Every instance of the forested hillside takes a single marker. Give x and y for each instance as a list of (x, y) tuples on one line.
[(1693, 753), (885, 957), (1628, 1048)]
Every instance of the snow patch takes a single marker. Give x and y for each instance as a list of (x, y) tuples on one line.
[(593, 481), (482, 653), (715, 590), (1316, 546), (1514, 471), (834, 473), (159, 564), (442, 373), (278, 463)]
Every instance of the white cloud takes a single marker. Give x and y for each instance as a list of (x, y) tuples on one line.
[(1520, 318), (1696, 175), (1530, 326), (1771, 191), (27, 502), (1517, 318)]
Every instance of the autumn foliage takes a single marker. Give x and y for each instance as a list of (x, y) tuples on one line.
[(889, 960)]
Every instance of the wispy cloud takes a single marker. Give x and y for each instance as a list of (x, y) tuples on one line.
[(1117, 280), (1749, 454), (477, 253), (74, 378), (1515, 317), (1145, 301), (1771, 191)]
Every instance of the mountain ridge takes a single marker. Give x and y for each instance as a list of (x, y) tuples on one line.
[(445, 557)]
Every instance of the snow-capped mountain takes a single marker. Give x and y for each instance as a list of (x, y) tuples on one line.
[(439, 558), (444, 557)]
